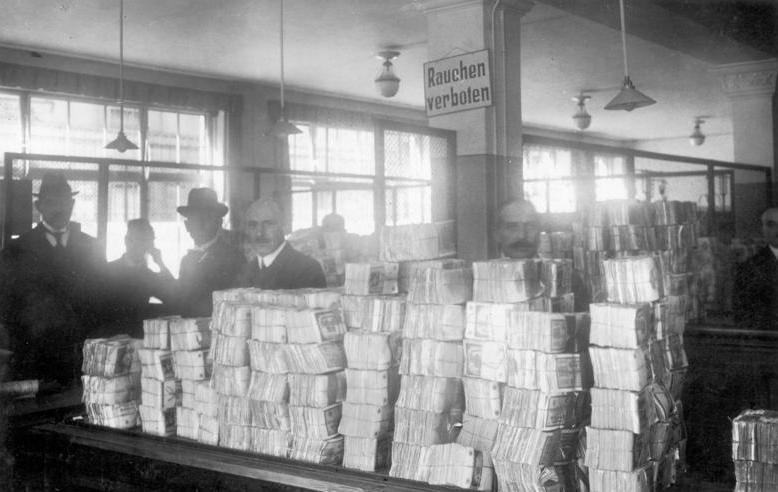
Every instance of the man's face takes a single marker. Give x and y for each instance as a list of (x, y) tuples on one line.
[(519, 233), (138, 243), (263, 229), (770, 226), (202, 226), (56, 211)]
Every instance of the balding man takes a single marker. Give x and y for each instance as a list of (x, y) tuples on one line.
[(756, 281), (276, 264), (518, 236)]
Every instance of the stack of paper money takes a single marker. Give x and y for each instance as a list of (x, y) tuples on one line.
[(366, 453), (754, 450), (416, 241), (321, 451), (434, 321), (549, 372), (274, 442), (633, 280), (506, 280), (556, 244), (189, 333), (545, 411), (440, 286), (111, 381), (548, 332), (456, 465), (161, 392), (371, 278), (371, 387), (315, 358), (621, 325), (556, 277), (305, 326), (408, 269), (616, 450), (372, 350), (383, 313), (156, 332), (206, 403), (640, 480)]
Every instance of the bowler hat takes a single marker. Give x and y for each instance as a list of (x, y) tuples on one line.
[(202, 200), (54, 185)]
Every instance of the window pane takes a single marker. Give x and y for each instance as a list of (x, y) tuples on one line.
[(301, 209), (48, 126), (307, 149), (561, 196), (407, 155), (350, 151), (192, 135), (10, 124), (323, 205), (356, 207), (131, 129), (535, 192), (87, 129), (610, 189), (163, 136), (546, 162), (123, 205)]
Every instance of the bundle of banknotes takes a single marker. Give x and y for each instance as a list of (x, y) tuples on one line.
[(189, 333), (522, 477), (372, 350), (156, 364), (406, 457), (314, 326), (373, 387), (160, 394), (483, 397), (116, 415), (366, 453), (633, 280), (755, 436), (416, 241), (268, 323), (435, 321), (616, 450), (156, 332), (235, 436), (209, 430), (556, 277), (478, 433), (206, 399), (546, 411), (755, 476), (233, 319), (640, 480), (110, 391), (193, 365), (111, 357), (273, 442), (486, 360), (549, 373), (670, 316), (432, 394), (365, 279), (230, 350), (526, 445), (230, 380), (268, 357), (440, 286), (618, 368), (555, 244), (187, 423), (383, 313), (315, 358), (621, 325), (243, 411), (457, 466), (549, 332), (158, 421), (368, 421), (317, 390), (408, 269), (506, 280), (321, 451), (622, 410), (268, 387), (315, 422), (427, 357), (424, 428)]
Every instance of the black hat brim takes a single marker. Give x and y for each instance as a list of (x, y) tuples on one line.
[(72, 194), (219, 210)]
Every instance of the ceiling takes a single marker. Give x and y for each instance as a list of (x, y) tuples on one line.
[(330, 47)]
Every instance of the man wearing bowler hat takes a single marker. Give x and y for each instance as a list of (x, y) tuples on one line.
[(213, 263), (52, 287)]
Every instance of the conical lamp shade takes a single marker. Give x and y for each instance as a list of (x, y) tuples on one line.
[(121, 143), (629, 98), (282, 129)]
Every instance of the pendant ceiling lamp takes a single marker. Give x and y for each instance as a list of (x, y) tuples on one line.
[(582, 118), (387, 83), (628, 98), (697, 138), (121, 143), (282, 128)]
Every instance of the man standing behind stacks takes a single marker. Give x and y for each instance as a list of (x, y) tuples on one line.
[(51, 288), (214, 263), (756, 281), (277, 265)]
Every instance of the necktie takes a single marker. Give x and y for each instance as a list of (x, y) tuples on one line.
[(262, 265), (58, 239)]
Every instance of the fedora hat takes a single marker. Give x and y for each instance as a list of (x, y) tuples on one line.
[(202, 200), (54, 185)]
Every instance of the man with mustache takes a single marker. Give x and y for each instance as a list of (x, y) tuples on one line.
[(214, 263), (518, 236), (275, 263), (52, 287), (755, 299)]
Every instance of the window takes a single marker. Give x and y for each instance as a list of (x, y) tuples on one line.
[(82, 127), (606, 188), (547, 179), (409, 155)]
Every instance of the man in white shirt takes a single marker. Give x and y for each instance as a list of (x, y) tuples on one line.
[(755, 299), (275, 263)]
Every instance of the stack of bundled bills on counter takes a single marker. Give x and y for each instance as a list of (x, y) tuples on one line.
[(111, 381), (754, 450), (545, 400), (430, 404), (417, 241), (190, 342), (160, 389)]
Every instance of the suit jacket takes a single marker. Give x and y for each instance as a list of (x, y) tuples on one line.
[(755, 298), (202, 273), (51, 297), (290, 270)]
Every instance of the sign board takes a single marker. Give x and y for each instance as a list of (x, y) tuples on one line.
[(457, 83)]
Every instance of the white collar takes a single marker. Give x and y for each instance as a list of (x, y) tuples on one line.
[(205, 246), (52, 230), (269, 259), (52, 233), (774, 250)]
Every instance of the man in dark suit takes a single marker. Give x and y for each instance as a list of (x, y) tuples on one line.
[(132, 283), (214, 263), (756, 281), (52, 287), (276, 264)]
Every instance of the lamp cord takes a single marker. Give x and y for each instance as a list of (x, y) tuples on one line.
[(623, 38), (282, 57), (121, 66)]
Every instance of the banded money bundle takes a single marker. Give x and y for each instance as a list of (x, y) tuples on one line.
[(383, 313), (158, 421), (622, 410), (486, 360), (230, 350), (231, 381), (354, 310), (315, 411), (483, 397), (422, 428), (754, 436), (160, 394), (116, 415), (426, 357), (317, 390), (193, 365), (365, 279), (621, 325), (372, 350), (110, 391), (526, 445), (616, 450), (545, 411), (556, 277), (314, 326), (555, 244), (623, 369), (315, 358), (478, 433), (549, 332), (440, 286), (208, 432), (366, 453), (530, 478), (268, 324), (431, 394), (233, 319), (274, 442), (755, 476), (206, 399), (187, 423), (549, 372), (315, 422), (505, 281), (416, 241), (640, 480), (670, 316), (377, 388), (268, 357), (235, 436), (110, 357), (268, 387), (368, 421), (406, 457), (434, 321), (457, 466), (156, 332), (633, 280), (321, 451), (408, 269), (189, 333)]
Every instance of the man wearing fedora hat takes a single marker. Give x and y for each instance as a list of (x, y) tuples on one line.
[(52, 287), (213, 263)]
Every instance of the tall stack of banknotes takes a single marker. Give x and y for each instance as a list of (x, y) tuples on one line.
[(374, 315), (754, 450), (111, 381), (160, 389), (415, 242), (430, 405), (190, 342)]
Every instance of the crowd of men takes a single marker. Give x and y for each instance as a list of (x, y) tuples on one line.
[(58, 290)]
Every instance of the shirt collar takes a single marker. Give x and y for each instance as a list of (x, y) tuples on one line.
[(204, 247), (52, 230), (774, 250), (52, 233), (268, 260)]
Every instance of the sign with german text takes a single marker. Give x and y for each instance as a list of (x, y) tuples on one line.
[(458, 83)]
